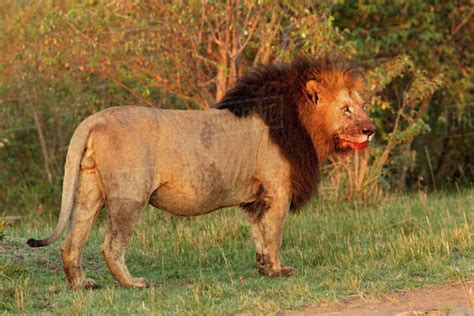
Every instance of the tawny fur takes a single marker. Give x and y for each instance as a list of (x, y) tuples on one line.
[(260, 150)]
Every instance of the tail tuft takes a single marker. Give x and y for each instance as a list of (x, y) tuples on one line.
[(34, 243)]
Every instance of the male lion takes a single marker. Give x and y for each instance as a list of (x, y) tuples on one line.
[(259, 148)]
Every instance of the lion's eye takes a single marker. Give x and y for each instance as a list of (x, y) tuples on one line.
[(346, 109)]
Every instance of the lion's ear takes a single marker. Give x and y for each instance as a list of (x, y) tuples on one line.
[(313, 89)]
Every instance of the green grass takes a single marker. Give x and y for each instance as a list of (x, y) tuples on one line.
[(205, 265)]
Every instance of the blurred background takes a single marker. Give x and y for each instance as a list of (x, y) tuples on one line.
[(61, 61)]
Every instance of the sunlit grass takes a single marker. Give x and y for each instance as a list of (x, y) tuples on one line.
[(205, 265)]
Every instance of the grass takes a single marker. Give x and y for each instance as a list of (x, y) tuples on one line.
[(205, 265)]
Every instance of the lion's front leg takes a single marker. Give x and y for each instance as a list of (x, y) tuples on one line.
[(257, 237), (267, 231)]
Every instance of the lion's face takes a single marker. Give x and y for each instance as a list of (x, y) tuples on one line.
[(341, 117), (348, 122)]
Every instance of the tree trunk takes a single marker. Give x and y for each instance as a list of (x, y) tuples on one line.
[(42, 140)]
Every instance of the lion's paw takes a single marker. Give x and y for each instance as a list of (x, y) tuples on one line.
[(139, 283), (284, 271), (85, 283), (287, 271), (90, 284)]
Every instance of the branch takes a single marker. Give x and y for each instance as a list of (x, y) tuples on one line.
[(108, 75), (247, 40), (461, 24)]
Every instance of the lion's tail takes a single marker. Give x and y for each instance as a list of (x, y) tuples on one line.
[(71, 175)]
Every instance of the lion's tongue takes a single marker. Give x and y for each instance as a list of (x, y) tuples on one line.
[(357, 146)]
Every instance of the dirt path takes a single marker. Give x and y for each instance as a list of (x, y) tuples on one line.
[(455, 299)]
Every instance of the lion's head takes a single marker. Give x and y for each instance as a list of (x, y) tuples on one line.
[(313, 108), (334, 113)]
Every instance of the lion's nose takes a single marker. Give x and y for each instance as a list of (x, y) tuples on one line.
[(368, 130)]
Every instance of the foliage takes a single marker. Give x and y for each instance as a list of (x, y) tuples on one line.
[(62, 61)]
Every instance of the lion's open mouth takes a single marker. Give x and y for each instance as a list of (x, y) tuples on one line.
[(357, 146), (348, 144)]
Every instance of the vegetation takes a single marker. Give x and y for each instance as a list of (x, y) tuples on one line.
[(205, 265)]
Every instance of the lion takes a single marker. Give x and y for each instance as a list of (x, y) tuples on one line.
[(259, 148)]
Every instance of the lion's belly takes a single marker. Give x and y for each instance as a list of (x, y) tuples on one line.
[(185, 199), (191, 185)]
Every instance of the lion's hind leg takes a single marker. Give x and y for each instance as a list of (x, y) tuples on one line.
[(88, 203), (124, 215)]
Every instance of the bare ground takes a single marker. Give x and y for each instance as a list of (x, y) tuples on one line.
[(455, 299)]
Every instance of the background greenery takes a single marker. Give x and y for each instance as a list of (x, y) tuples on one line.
[(63, 60)]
